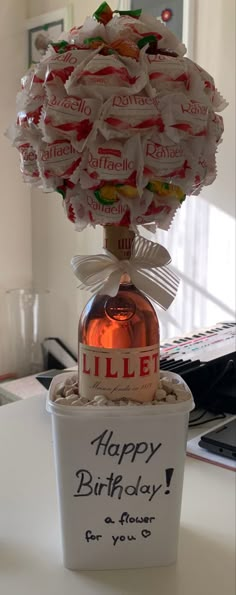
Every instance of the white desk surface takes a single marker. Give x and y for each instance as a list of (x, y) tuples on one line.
[(30, 555)]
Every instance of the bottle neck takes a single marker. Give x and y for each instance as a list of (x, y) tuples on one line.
[(118, 241), (125, 280)]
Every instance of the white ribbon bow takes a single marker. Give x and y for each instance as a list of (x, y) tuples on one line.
[(147, 269)]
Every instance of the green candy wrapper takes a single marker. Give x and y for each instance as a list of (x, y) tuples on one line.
[(103, 14)]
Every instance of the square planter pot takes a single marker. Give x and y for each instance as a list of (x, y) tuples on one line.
[(119, 477)]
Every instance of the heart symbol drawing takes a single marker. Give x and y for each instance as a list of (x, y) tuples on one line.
[(145, 533)]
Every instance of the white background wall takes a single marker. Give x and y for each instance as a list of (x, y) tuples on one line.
[(201, 240), (215, 51), (36, 240), (15, 201)]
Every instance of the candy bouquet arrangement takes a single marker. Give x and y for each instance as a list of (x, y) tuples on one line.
[(119, 122), (123, 126)]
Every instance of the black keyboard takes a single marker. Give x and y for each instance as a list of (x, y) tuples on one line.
[(206, 360)]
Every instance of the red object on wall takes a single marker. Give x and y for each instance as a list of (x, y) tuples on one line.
[(167, 15)]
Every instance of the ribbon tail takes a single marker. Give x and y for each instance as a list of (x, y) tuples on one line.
[(146, 254), (111, 286), (157, 287)]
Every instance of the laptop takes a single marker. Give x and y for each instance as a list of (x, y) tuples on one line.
[(222, 440)]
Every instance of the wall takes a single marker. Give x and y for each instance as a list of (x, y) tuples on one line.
[(215, 51), (201, 240), (15, 204)]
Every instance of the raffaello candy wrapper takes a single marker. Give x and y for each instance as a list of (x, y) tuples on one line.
[(183, 117), (68, 117), (117, 120), (28, 163), (115, 161), (104, 76), (61, 65), (58, 159), (170, 162), (127, 115), (216, 100), (168, 72), (29, 107)]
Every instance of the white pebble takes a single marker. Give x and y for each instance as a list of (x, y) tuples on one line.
[(69, 391), (160, 394), (83, 400), (69, 381), (99, 400), (171, 399), (60, 389), (61, 401), (180, 393), (167, 385), (170, 391), (71, 398), (184, 397)]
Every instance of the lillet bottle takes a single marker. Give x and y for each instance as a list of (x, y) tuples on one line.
[(119, 336)]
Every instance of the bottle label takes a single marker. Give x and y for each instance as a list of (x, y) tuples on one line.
[(119, 373), (118, 240)]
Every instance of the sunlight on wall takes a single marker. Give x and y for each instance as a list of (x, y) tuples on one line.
[(201, 242)]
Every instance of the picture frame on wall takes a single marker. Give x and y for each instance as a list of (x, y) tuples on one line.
[(179, 15), (45, 28)]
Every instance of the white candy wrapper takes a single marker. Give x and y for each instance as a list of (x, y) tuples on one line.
[(90, 29), (61, 66), (184, 117), (58, 159), (29, 163), (218, 103), (29, 107), (168, 72), (69, 118), (114, 161), (104, 76), (83, 208), (127, 115), (170, 162), (165, 37), (34, 83), (136, 29)]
